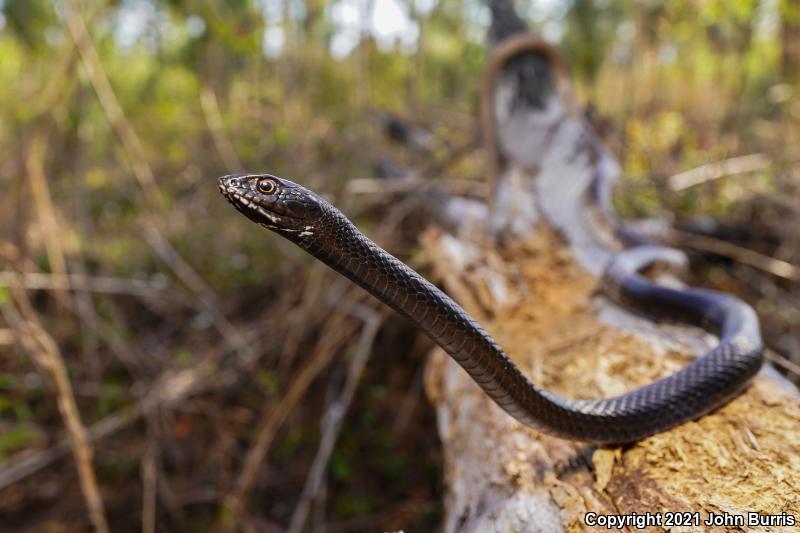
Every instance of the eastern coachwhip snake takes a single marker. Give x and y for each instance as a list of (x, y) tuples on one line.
[(311, 222)]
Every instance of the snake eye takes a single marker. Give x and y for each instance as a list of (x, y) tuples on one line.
[(266, 186)]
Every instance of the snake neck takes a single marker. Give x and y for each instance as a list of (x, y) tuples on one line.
[(344, 248)]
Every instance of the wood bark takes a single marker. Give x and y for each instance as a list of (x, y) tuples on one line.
[(533, 285)]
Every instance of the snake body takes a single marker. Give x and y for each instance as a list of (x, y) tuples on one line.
[(311, 222)]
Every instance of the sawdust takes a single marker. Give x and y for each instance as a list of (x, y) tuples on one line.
[(543, 309)]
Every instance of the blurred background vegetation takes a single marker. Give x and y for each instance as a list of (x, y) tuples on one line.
[(213, 365)]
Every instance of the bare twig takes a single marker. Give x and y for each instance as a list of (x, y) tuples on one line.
[(6, 336), (149, 487), (298, 318), (717, 170), (108, 100), (126, 353), (171, 388), (122, 350), (333, 420), (210, 105), (57, 78), (782, 361), (409, 402), (45, 209), (416, 183), (17, 469), (337, 331), (41, 346), (99, 284), (206, 296), (773, 266)]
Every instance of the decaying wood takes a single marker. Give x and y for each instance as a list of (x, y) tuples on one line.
[(534, 287), (542, 308)]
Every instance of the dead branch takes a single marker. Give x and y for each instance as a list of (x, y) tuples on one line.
[(332, 422), (169, 389), (41, 346), (298, 316), (768, 264), (207, 299), (782, 361), (409, 401), (335, 334), (149, 488), (45, 209), (717, 170), (6, 336), (413, 183), (127, 355), (98, 284), (211, 112), (108, 100)]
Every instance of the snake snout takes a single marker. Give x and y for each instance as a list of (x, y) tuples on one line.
[(226, 182)]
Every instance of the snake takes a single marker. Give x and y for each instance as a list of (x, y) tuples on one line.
[(706, 383)]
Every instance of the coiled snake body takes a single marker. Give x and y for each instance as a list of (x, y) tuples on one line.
[(311, 222)]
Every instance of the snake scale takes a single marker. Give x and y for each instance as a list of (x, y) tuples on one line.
[(315, 225)]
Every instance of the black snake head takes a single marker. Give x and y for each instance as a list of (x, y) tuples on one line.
[(276, 203)]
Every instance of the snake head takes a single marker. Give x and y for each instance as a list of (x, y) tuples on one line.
[(276, 203)]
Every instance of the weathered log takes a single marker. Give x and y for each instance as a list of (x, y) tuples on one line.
[(534, 288)]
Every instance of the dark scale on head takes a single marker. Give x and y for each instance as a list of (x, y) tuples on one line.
[(275, 203)]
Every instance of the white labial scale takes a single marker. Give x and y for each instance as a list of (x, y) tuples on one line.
[(266, 213)]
